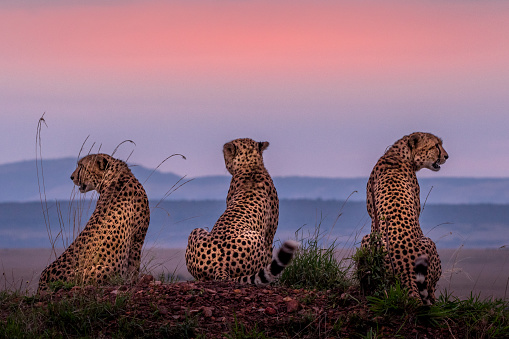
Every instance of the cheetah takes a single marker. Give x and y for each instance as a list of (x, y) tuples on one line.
[(110, 244), (239, 246), (393, 203)]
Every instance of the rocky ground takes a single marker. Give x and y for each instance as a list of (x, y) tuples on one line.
[(223, 309)]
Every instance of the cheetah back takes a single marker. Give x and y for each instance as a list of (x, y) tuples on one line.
[(110, 244), (393, 203)]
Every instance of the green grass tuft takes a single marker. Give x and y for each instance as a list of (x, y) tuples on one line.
[(240, 331), (370, 269), (395, 302), (315, 266)]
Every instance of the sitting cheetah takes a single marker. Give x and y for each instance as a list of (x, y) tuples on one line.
[(239, 246), (393, 203), (110, 244)]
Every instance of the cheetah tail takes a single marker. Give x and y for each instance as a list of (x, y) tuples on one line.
[(268, 274), (421, 272)]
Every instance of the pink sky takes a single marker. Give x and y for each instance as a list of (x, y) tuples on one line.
[(330, 83), (288, 39)]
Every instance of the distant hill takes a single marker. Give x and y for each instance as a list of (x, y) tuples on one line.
[(19, 184)]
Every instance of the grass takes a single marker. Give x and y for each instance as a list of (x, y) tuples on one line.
[(238, 330), (473, 318), (82, 315), (316, 266), (394, 303), (370, 270), (482, 318)]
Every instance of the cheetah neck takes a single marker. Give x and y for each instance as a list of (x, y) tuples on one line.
[(400, 151), (247, 182), (114, 180)]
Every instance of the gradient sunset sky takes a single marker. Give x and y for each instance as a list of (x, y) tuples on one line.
[(330, 84)]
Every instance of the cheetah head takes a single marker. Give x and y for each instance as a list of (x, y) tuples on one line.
[(427, 151), (242, 154), (90, 171)]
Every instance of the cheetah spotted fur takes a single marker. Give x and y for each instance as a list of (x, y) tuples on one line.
[(393, 203), (239, 246), (110, 244)]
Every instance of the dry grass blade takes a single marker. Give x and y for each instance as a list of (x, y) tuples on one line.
[(162, 162), (82, 146), (425, 200), (40, 180), (123, 142)]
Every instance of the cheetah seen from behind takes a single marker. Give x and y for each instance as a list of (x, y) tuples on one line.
[(110, 244), (393, 203), (239, 246)]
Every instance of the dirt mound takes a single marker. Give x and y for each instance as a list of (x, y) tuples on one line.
[(224, 309)]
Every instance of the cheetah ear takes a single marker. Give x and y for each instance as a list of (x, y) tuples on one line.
[(229, 150), (102, 162), (413, 141), (263, 145)]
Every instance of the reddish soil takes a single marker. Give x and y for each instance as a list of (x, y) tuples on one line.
[(216, 309)]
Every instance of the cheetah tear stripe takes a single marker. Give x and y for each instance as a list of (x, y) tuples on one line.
[(421, 271), (268, 274)]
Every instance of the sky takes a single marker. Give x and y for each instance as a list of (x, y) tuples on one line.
[(330, 84)]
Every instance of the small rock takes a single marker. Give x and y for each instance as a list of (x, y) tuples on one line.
[(270, 311), (292, 306), (237, 291), (287, 299), (207, 312), (114, 292), (208, 290)]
